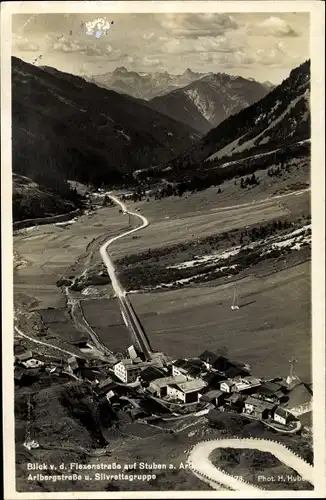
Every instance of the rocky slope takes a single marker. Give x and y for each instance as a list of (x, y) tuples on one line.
[(278, 121), (206, 102)]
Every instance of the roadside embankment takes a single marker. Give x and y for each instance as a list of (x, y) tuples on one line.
[(21, 224)]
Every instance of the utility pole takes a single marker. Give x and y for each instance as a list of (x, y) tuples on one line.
[(292, 362)]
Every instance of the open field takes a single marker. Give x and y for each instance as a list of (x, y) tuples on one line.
[(199, 203), (50, 251), (272, 324), (105, 318), (178, 220)]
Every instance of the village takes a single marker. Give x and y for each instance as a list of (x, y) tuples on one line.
[(162, 389)]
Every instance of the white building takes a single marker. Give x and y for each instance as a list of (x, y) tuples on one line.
[(227, 385), (187, 392), (33, 363), (128, 370), (281, 416)]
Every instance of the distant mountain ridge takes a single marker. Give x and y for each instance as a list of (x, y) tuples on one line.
[(206, 102), (143, 85), (146, 86)]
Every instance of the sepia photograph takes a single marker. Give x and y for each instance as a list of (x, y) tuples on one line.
[(159, 171)]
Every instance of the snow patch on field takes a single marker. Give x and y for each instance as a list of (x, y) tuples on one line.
[(67, 222), (206, 259), (295, 240)]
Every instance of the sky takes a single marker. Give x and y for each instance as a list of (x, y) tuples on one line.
[(263, 46)]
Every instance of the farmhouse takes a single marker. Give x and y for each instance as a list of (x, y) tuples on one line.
[(227, 386), (215, 397), (281, 416), (24, 356), (209, 359), (128, 370), (186, 367), (187, 392), (234, 402), (159, 386), (151, 373), (272, 392), (246, 384), (257, 408), (213, 379)]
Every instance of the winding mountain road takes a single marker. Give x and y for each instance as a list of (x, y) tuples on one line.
[(127, 311), (201, 465)]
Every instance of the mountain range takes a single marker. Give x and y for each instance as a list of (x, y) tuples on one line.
[(64, 127), (143, 85), (279, 120), (67, 128), (207, 101)]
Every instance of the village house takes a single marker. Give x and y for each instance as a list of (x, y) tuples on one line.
[(234, 402), (213, 379), (281, 416), (272, 392), (23, 356), (186, 367), (151, 373), (159, 386), (227, 385), (224, 365), (128, 370), (187, 392), (257, 408), (214, 397), (209, 359)]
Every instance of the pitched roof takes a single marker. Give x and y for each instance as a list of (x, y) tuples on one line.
[(24, 355), (151, 373), (213, 379), (259, 403), (270, 387), (233, 371), (222, 364), (209, 395), (188, 367), (164, 381), (235, 398), (189, 386), (281, 412), (252, 380), (228, 382)]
